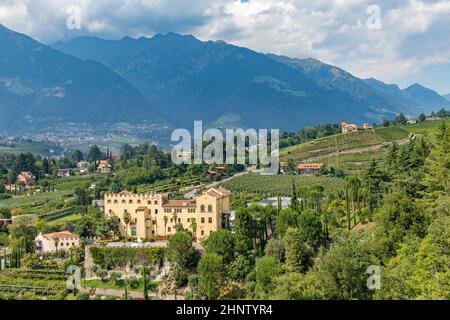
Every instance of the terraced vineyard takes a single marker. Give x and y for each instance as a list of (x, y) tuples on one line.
[(270, 186), (332, 144), (32, 284)]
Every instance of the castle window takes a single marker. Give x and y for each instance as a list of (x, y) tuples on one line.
[(123, 201), (210, 208), (203, 220), (202, 208), (156, 211), (149, 202), (109, 201), (115, 201), (169, 229), (167, 210), (131, 201), (191, 210), (156, 202), (139, 201), (202, 233), (178, 210), (209, 220)]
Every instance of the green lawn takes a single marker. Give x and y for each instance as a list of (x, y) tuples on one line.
[(392, 134), (426, 126), (327, 145), (46, 202), (35, 147)]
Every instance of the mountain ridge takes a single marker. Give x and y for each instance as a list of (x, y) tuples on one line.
[(196, 69), (41, 84)]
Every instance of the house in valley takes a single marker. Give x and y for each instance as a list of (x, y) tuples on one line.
[(309, 168), (104, 166), (26, 178), (62, 173), (56, 241)]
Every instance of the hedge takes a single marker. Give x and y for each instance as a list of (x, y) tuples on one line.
[(110, 258)]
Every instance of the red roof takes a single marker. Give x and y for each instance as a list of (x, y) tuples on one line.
[(310, 166), (179, 203)]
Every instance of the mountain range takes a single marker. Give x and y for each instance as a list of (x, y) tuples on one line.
[(447, 96), (176, 79)]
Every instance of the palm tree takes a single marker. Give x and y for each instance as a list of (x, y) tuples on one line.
[(347, 202), (166, 219), (126, 220), (175, 218), (353, 185), (56, 241), (194, 227)]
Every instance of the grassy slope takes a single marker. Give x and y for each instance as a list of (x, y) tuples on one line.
[(325, 148), (45, 202), (426, 126)]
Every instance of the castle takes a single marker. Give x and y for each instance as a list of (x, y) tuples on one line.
[(155, 215), (351, 127)]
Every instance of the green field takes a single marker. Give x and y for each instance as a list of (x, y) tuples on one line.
[(47, 201), (331, 144), (353, 152), (46, 284), (426, 126), (392, 134), (42, 148), (279, 184)]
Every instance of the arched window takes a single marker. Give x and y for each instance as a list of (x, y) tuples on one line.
[(210, 208), (202, 208)]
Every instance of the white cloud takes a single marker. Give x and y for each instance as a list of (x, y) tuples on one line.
[(414, 33)]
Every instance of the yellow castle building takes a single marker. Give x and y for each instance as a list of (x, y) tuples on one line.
[(154, 214)]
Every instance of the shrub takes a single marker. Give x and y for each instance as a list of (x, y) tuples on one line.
[(110, 258)]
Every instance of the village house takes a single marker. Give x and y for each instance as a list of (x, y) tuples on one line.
[(53, 242), (26, 178), (83, 166), (104, 166), (215, 171), (154, 214), (62, 173), (12, 188), (351, 127), (309, 168)]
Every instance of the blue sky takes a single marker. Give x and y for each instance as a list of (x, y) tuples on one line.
[(396, 41)]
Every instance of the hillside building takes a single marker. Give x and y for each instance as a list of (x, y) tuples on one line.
[(351, 127), (309, 168), (52, 242), (26, 178)]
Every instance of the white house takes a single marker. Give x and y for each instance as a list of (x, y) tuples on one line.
[(83, 166), (52, 242)]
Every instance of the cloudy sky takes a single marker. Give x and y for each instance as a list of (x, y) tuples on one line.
[(401, 41)]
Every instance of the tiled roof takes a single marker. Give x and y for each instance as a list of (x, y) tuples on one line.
[(218, 192), (60, 235), (310, 166), (179, 203)]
